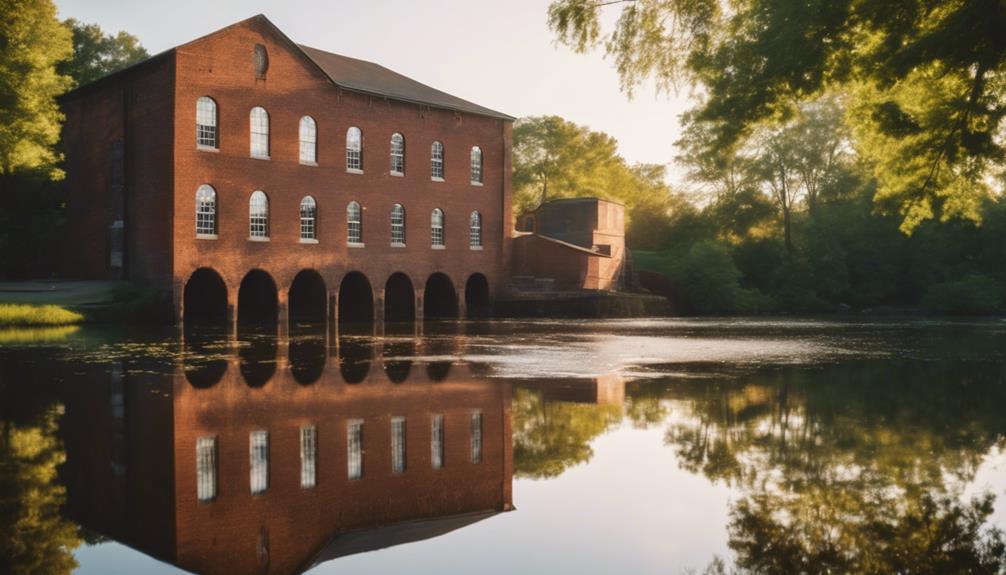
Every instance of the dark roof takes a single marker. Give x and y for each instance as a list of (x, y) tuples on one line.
[(363, 76)]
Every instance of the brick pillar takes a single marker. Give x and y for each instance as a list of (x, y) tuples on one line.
[(379, 314), (333, 317), (419, 312), (232, 311), (178, 302), (283, 312)]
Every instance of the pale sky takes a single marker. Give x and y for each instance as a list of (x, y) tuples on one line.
[(499, 54)]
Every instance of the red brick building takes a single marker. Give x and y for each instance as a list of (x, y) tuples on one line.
[(250, 176)]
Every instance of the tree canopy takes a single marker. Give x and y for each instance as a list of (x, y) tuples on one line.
[(97, 54), (926, 78)]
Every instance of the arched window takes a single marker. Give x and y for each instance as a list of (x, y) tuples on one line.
[(397, 225), (258, 215), (308, 219), (354, 149), (437, 161), (206, 211), (475, 230), (206, 123), (308, 140), (397, 154), (476, 165), (354, 223), (259, 132), (437, 227)]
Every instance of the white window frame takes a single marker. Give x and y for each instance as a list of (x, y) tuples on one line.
[(398, 443), (308, 132), (308, 220), (477, 172), (206, 469), (437, 161), (207, 132), (354, 223), (475, 230), (258, 216), (206, 212), (437, 239), (475, 436), (397, 154), (437, 441), (354, 150), (398, 226), (308, 456), (258, 133), (258, 456), (354, 449)]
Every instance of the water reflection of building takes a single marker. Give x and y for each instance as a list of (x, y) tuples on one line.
[(227, 470), (608, 389)]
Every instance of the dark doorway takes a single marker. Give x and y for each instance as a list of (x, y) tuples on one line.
[(439, 299), (308, 298), (477, 296), (257, 304), (399, 303), (205, 298), (356, 304)]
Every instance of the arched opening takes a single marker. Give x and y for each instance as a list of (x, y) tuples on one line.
[(257, 359), (203, 365), (205, 298), (356, 304), (307, 356), (308, 298), (257, 303), (397, 359), (440, 299), (354, 359), (477, 296), (438, 352), (399, 302)]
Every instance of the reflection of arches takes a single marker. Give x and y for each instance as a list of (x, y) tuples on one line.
[(398, 368), (202, 369), (307, 358), (356, 302), (257, 302), (477, 296), (440, 299), (399, 299), (257, 360), (205, 297), (354, 360), (308, 297), (438, 370), (439, 352)]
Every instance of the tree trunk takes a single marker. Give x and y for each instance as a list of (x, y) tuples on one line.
[(787, 230)]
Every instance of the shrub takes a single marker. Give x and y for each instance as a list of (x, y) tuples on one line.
[(709, 280), (972, 295), (26, 314)]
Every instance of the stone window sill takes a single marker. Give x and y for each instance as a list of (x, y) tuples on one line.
[(475, 248), (436, 179), (308, 240), (258, 239), (206, 236), (398, 174), (439, 247), (306, 163), (397, 245), (477, 184), (205, 148), (356, 244), (260, 157), (353, 171)]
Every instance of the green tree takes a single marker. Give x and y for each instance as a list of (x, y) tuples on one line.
[(32, 43), (927, 75), (97, 54)]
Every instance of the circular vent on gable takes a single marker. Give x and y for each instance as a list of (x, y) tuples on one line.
[(260, 60)]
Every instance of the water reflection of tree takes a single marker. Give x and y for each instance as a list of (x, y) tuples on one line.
[(850, 469), (549, 437), (34, 538)]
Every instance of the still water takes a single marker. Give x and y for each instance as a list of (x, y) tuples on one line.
[(642, 446)]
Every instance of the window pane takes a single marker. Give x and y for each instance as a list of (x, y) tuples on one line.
[(354, 223), (437, 227), (206, 468), (308, 140), (206, 211), (258, 215), (308, 456), (437, 441), (308, 216), (259, 133), (397, 224), (354, 448), (398, 444), (475, 230), (354, 149), (397, 154), (258, 443), (206, 122), (475, 425), (437, 160), (477, 164)]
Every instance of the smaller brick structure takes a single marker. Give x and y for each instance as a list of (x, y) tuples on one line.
[(570, 244)]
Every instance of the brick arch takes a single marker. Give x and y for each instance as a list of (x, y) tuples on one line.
[(204, 297), (356, 301)]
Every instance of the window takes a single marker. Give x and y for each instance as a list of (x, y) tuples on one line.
[(475, 431), (206, 468), (354, 150), (354, 448), (308, 219), (476, 165), (206, 123), (206, 211), (308, 141), (397, 154), (437, 161), (354, 223), (258, 443), (258, 215), (398, 444), (437, 441), (475, 230), (260, 61), (308, 456), (398, 225), (437, 227), (259, 119)]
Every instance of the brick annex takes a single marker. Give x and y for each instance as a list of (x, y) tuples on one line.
[(252, 177)]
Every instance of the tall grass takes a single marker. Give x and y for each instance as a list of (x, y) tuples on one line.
[(27, 314)]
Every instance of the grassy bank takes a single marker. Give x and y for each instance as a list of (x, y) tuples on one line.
[(20, 315)]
